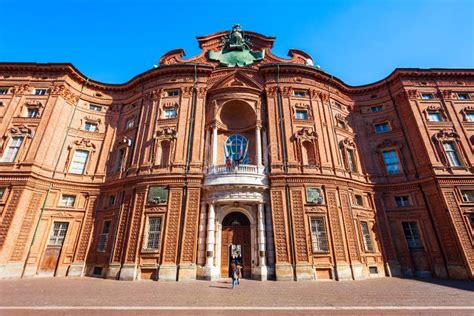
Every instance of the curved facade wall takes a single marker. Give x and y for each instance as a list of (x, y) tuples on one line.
[(150, 179)]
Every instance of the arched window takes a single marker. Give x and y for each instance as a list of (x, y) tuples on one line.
[(236, 150)]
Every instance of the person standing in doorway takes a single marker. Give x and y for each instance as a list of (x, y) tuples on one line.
[(239, 273)]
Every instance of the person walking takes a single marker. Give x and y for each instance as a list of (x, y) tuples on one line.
[(234, 274), (239, 274)]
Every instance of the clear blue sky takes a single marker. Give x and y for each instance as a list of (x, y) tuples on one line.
[(357, 41)]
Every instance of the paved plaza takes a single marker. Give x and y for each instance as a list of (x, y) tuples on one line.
[(66, 296)]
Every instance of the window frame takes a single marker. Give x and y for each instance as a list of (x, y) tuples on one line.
[(457, 162), (398, 198), (87, 123), (398, 163), (427, 96), (18, 149), (84, 166), (385, 123), (358, 199), (130, 123), (429, 114), (379, 108), (58, 240), (418, 244), (102, 241), (172, 93), (300, 93), (319, 239), (32, 108), (462, 194), (164, 188), (465, 94), (301, 111), (65, 203), (171, 109), (369, 245), (95, 107), (4, 90), (146, 234)]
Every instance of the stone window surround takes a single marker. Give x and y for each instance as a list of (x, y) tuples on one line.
[(307, 134), (92, 120), (17, 131), (125, 143), (370, 227), (345, 144), (302, 106), (32, 104), (468, 109), (143, 248), (322, 216), (449, 135), (166, 133), (435, 108), (459, 192), (389, 145), (82, 144)]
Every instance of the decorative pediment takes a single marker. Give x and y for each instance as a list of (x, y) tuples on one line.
[(22, 130), (433, 107), (388, 143), (170, 105), (341, 117), (34, 103), (348, 142), (64, 91), (85, 143), (446, 135), (237, 79), (305, 133), (21, 89), (154, 94), (166, 133), (92, 119), (124, 142)]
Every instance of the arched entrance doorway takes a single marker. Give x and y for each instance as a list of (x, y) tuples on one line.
[(236, 243)]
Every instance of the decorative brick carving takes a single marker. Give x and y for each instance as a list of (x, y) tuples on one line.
[(8, 217), (460, 228), (349, 226), (64, 91), (121, 230), (191, 226), (135, 227), (172, 227), (26, 226), (279, 227), (86, 230), (335, 227), (271, 92), (299, 226), (22, 89)]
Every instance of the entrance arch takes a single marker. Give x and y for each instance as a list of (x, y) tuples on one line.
[(236, 243)]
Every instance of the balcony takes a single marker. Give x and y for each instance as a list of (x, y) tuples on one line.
[(236, 175)]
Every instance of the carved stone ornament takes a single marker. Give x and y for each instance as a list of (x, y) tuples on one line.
[(34, 103), (166, 133), (348, 142), (388, 143), (85, 143), (170, 105), (305, 133), (446, 135), (187, 91), (22, 89), (23, 130), (92, 119), (153, 95), (411, 93), (63, 91), (447, 94), (271, 91), (286, 91), (124, 142)]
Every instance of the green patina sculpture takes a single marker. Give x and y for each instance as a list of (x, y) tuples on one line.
[(236, 51)]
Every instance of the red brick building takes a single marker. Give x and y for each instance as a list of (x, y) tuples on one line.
[(236, 155)]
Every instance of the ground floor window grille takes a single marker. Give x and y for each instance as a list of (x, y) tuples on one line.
[(369, 245), (319, 235), (104, 236), (152, 235)]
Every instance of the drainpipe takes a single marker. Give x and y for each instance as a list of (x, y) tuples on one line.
[(52, 177), (285, 168), (188, 161)]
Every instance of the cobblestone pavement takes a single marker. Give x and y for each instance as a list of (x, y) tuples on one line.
[(65, 296)]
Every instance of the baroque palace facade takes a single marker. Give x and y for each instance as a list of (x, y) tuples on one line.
[(236, 155)]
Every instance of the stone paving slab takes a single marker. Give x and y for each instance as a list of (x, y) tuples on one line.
[(74, 296)]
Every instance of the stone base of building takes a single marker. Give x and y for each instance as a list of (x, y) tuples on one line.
[(260, 273), (360, 271), (208, 273), (305, 272), (393, 268), (284, 272), (113, 271), (11, 270), (128, 272), (187, 272), (457, 272), (167, 272), (343, 272), (76, 269)]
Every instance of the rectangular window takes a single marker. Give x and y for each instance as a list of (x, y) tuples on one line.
[(68, 200), (120, 157), (434, 116), (382, 127), (338, 105), (90, 127), (158, 195), (314, 195), (40, 91), (452, 154), (32, 112), (426, 96), (463, 96), (111, 200), (351, 160), (2, 193), (402, 201), (169, 113), (376, 109), (103, 237), (79, 161), (12, 149), (172, 93), (341, 124), (471, 220), (359, 200), (94, 107), (369, 245), (470, 116), (467, 196), (392, 164), (152, 236), (301, 115), (319, 235), (412, 235), (299, 93), (58, 234), (130, 123), (3, 91)]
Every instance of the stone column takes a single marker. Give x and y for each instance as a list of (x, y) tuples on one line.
[(265, 148), (202, 235), (209, 271), (262, 266), (258, 147), (214, 145)]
